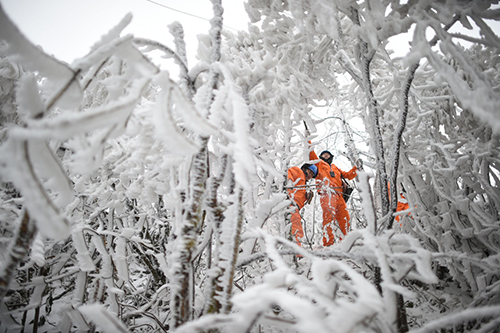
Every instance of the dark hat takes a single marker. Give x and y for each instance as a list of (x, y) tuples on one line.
[(326, 151)]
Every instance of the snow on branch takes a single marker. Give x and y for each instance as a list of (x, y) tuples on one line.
[(308, 295), (144, 42), (114, 33), (464, 316), (66, 125), (99, 315), (20, 50), (17, 165)]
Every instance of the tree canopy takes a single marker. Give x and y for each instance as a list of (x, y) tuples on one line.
[(134, 201)]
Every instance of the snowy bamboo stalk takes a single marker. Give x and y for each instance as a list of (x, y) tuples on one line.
[(216, 37), (216, 30), (233, 257), (401, 314), (180, 306), (215, 215), (379, 145), (181, 310)]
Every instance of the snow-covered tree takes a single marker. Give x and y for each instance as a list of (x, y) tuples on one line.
[(135, 201), (439, 80)]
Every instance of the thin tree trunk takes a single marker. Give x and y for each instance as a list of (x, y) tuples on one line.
[(181, 306), (402, 321), (187, 239), (401, 315), (397, 142), (17, 252), (234, 254), (216, 215), (365, 57), (401, 127)]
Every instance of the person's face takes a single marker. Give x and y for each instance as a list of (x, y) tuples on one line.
[(325, 156), (309, 174)]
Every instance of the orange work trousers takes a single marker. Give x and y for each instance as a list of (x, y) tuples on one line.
[(334, 211), (297, 230)]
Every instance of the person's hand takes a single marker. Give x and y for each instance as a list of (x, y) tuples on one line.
[(309, 196), (359, 164), (307, 133)]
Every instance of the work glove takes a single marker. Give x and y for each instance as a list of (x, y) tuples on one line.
[(309, 196)]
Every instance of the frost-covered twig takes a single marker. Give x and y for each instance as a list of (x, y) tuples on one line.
[(233, 255), (180, 46), (151, 43), (460, 317), (215, 216), (18, 250)]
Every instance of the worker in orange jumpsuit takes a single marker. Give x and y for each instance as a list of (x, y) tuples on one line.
[(297, 178), (402, 205), (330, 190)]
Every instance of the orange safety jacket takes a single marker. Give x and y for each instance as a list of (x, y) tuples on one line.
[(334, 182), (402, 205), (296, 175)]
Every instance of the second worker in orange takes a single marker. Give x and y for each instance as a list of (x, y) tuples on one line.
[(330, 191)]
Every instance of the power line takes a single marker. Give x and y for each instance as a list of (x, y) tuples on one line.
[(186, 13)]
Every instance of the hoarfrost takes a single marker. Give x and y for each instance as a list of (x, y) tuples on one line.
[(103, 318)]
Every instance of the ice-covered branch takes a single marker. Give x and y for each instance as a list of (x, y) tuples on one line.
[(180, 46), (154, 44), (21, 50), (463, 317), (397, 141)]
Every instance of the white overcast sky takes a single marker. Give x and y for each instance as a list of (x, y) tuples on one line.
[(68, 28)]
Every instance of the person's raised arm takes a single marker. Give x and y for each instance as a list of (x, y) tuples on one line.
[(312, 154), (349, 174)]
